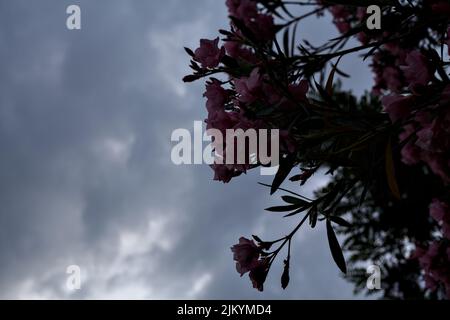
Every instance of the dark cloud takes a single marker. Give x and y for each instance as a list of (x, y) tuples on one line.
[(85, 170)]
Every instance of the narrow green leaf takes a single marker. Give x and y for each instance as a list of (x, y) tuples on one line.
[(301, 209), (257, 239), (313, 214), (335, 248), (283, 7), (285, 190), (285, 168), (283, 208), (294, 200), (340, 221), (286, 42), (294, 34), (323, 93), (330, 81), (285, 276), (189, 52)]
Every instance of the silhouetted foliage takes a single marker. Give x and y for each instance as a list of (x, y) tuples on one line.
[(387, 153)]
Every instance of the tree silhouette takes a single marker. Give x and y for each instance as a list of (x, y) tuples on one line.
[(386, 153)]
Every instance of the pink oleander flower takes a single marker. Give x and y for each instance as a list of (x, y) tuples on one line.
[(434, 135), (340, 15), (392, 78), (426, 137), (339, 12), (246, 254), (417, 70), (248, 88), (246, 10), (221, 120), (342, 26), (263, 27), (438, 210), (232, 6), (298, 93), (423, 118), (217, 96), (430, 283), (235, 50), (242, 9), (387, 74), (362, 37), (258, 274), (425, 261), (209, 54), (435, 261), (361, 13), (418, 252), (397, 106), (271, 95), (433, 250), (299, 90), (410, 154), (438, 165)]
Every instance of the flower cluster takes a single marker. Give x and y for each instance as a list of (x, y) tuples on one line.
[(425, 116), (388, 60), (261, 25), (427, 140), (248, 259), (209, 54), (434, 260), (344, 18), (238, 102), (221, 118)]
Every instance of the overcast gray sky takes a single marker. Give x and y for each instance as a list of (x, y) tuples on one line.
[(85, 170)]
